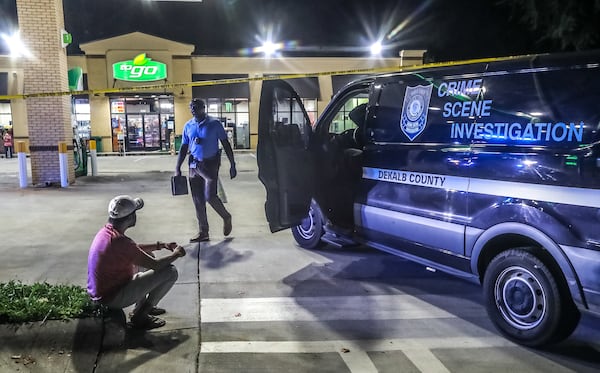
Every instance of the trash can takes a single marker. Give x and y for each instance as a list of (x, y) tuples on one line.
[(177, 142), (98, 143)]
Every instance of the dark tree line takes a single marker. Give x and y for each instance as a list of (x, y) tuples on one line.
[(563, 25)]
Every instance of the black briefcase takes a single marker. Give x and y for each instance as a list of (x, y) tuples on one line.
[(179, 185)]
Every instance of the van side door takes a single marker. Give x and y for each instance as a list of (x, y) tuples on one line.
[(285, 165)]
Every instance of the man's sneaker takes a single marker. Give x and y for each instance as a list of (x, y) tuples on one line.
[(227, 227), (146, 323), (200, 237), (154, 311)]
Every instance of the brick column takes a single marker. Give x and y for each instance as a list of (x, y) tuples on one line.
[(49, 118)]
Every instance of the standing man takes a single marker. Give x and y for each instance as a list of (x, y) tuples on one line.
[(201, 136), (113, 279)]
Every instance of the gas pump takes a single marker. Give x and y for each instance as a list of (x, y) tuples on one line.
[(80, 156)]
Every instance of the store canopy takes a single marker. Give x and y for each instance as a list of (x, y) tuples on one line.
[(3, 83), (235, 90), (339, 81)]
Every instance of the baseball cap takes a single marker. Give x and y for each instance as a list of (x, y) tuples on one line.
[(124, 205)]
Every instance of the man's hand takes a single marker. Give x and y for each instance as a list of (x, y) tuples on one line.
[(232, 171), (170, 246), (179, 251), (178, 172)]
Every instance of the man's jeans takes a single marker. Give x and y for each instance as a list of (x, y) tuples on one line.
[(145, 288), (203, 185)]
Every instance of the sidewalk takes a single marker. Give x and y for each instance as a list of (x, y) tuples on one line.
[(46, 237)]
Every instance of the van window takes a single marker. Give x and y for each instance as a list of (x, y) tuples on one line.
[(289, 119), (341, 121)]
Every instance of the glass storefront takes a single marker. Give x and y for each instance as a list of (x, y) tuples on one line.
[(81, 117), (310, 106), (5, 115), (233, 113), (142, 123)]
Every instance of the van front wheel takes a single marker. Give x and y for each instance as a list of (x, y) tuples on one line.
[(308, 234), (524, 301)]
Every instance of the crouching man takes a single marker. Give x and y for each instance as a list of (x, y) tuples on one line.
[(113, 279)]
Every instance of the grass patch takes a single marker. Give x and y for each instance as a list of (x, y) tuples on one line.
[(42, 301)]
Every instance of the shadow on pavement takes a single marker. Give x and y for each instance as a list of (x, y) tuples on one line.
[(139, 348), (362, 271), (220, 254)]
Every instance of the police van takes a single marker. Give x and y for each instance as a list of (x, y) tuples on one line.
[(488, 170)]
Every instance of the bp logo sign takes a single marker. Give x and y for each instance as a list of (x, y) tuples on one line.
[(140, 69)]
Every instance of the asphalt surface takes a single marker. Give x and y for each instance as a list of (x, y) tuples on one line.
[(46, 233), (253, 302)]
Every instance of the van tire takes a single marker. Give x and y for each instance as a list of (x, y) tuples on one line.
[(308, 234), (524, 300)]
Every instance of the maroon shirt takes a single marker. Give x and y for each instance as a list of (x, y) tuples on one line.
[(110, 263)]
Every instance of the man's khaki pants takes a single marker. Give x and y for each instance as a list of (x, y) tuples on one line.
[(145, 289)]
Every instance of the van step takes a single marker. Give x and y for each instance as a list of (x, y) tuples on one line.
[(337, 241)]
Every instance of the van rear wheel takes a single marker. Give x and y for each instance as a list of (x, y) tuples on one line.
[(524, 300), (309, 232)]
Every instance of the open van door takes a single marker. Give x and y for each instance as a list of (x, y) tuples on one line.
[(285, 164)]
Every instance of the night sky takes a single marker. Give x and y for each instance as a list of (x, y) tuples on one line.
[(449, 30)]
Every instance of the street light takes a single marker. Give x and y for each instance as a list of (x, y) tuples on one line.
[(269, 48), (376, 48), (15, 45)]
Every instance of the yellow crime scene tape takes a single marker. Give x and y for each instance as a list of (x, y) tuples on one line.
[(168, 86)]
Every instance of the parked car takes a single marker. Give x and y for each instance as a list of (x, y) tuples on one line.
[(489, 171)]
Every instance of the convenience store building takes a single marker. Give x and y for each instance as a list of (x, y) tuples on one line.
[(124, 117)]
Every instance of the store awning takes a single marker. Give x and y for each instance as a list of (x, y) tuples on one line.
[(3, 83), (85, 86), (306, 87), (234, 90), (339, 81)]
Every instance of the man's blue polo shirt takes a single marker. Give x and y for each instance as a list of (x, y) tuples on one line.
[(210, 131)]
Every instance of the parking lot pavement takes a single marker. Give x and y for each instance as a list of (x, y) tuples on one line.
[(254, 301), (46, 233)]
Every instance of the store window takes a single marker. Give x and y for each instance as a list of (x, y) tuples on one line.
[(229, 103), (310, 106), (81, 117), (5, 115), (234, 114), (309, 92), (142, 123)]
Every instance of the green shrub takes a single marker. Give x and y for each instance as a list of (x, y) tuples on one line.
[(42, 301)]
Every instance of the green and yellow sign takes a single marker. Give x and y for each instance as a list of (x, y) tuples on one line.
[(140, 69)]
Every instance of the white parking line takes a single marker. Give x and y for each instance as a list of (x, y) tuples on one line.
[(425, 360), (354, 353), (396, 344), (358, 361), (375, 307)]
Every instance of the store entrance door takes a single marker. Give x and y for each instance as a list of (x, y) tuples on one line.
[(142, 123), (143, 132)]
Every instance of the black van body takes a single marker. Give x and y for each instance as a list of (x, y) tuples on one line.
[(489, 171)]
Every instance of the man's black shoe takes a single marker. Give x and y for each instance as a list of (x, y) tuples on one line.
[(227, 226), (154, 311), (200, 237)]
